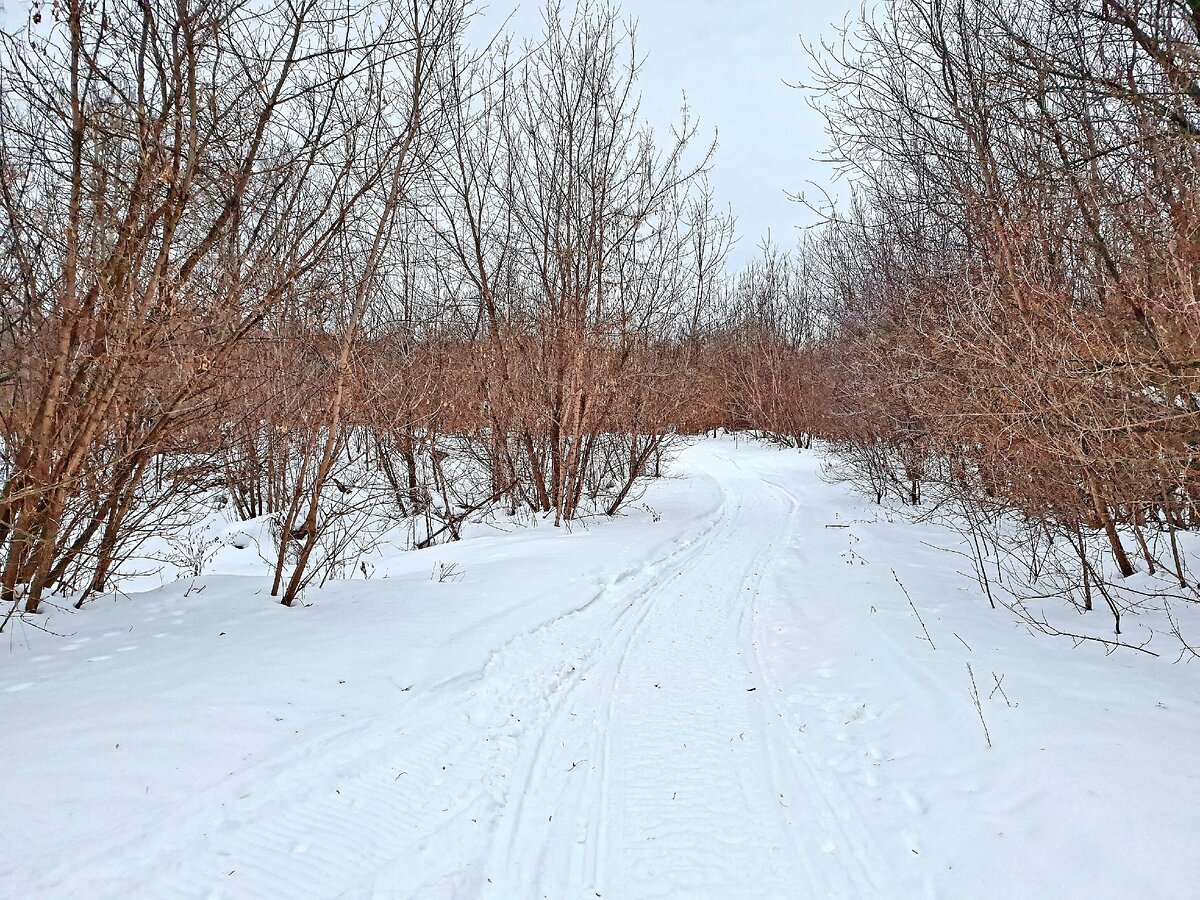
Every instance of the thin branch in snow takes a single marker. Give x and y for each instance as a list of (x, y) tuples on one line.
[(978, 705), (914, 609)]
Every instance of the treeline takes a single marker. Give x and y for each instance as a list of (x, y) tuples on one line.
[(328, 264), (1011, 289)]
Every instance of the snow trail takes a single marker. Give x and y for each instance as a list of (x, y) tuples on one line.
[(731, 706), (683, 787)]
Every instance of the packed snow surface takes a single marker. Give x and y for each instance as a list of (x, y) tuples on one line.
[(723, 694)]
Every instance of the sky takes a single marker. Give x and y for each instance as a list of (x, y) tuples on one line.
[(733, 58)]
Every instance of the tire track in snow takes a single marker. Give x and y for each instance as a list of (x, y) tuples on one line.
[(851, 856), (583, 804), (559, 834), (712, 831)]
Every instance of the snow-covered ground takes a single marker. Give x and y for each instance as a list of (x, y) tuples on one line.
[(716, 696)]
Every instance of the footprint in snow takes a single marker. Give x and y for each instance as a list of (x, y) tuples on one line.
[(913, 802)]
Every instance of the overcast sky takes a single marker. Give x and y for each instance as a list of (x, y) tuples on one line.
[(732, 58)]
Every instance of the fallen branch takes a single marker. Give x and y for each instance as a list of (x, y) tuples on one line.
[(461, 517)]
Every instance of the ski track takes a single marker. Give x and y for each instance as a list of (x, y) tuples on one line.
[(636, 747), (706, 722)]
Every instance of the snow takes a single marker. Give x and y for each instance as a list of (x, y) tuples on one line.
[(715, 696)]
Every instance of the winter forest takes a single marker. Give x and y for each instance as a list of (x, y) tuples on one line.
[(408, 492)]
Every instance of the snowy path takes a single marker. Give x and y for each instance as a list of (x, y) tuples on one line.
[(731, 702), (661, 766)]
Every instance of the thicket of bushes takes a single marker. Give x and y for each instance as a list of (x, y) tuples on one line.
[(317, 256), (1012, 293), (308, 253)]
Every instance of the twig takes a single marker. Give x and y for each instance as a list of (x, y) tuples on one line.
[(462, 517), (914, 609), (15, 603), (1186, 648), (978, 706), (999, 679)]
